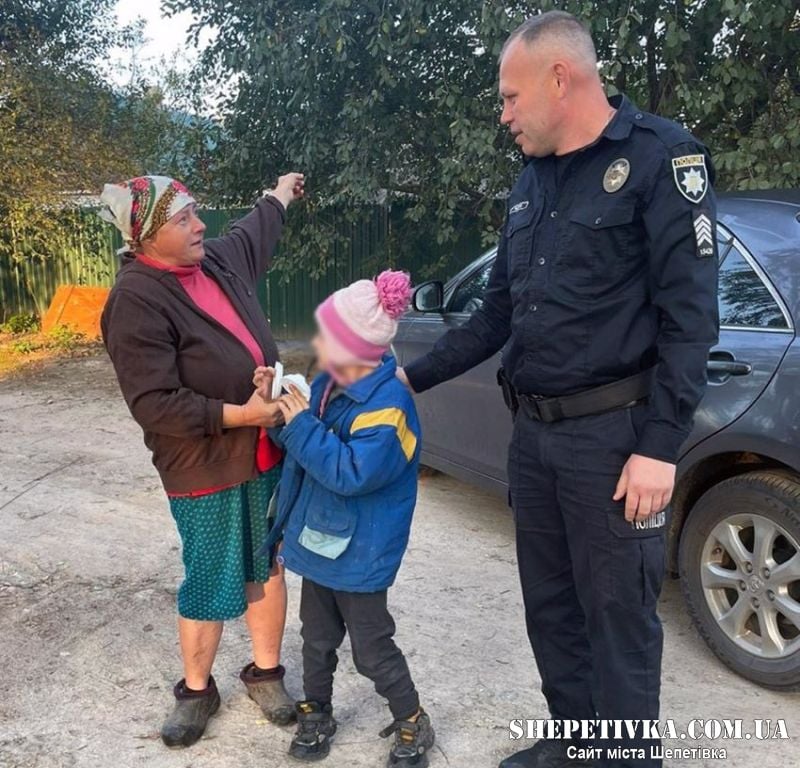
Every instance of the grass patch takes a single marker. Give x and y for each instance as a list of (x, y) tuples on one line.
[(23, 345)]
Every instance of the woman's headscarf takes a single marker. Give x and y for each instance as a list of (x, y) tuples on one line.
[(138, 207)]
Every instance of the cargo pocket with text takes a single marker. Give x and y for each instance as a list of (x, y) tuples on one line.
[(640, 563)]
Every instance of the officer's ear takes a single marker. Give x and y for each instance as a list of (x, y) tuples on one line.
[(561, 76)]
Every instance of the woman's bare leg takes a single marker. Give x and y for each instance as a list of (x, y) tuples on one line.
[(266, 618), (199, 642)]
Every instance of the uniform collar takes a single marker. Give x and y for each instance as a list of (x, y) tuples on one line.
[(619, 127)]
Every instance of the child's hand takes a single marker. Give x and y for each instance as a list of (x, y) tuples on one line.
[(292, 404), (262, 381)]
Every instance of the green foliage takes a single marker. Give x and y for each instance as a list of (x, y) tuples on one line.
[(26, 347), (728, 69), (18, 324), (60, 339), (67, 33), (64, 339), (396, 100), (65, 131), (376, 101)]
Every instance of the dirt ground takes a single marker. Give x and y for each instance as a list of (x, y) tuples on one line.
[(89, 564)]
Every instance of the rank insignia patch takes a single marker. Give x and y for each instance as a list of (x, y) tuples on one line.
[(616, 175), (703, 235), (691, 177)]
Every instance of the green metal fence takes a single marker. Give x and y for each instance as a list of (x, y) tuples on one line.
[(87, 256)]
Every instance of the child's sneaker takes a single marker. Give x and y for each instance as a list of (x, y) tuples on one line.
[(413, 739), (315, 729)]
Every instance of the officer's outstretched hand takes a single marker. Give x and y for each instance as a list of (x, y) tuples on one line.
[(647, 486), (401, 374)]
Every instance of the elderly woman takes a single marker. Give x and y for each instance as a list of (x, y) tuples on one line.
[(184, 330)]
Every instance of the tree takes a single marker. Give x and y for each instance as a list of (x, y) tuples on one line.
[(728, 69), (396, 100), (64, 130), (61, 33)]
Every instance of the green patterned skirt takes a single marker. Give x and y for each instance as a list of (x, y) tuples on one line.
[(221, 533)]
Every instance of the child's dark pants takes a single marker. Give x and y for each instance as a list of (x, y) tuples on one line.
[(326, 614)]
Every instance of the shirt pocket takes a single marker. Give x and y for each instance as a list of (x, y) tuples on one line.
[(600, 251), (330, 522), (520, 233)]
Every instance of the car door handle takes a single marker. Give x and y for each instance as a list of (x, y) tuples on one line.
[(730, 367)]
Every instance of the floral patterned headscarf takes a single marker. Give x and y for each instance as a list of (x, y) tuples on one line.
[(138, 207)]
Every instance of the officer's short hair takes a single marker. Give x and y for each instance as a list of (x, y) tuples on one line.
[(555, 25)]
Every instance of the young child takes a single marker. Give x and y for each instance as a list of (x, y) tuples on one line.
[(346, 498)]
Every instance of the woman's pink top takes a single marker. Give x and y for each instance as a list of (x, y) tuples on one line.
[(206, 293)]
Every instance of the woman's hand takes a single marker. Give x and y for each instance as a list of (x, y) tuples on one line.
[(256, 412), (259, 412), (289, 188), (292, 403), (262, 381)]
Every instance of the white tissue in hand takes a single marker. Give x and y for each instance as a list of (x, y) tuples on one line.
[(281, 382), (299, 381)]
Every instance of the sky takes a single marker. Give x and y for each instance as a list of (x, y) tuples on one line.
[(164, 36)]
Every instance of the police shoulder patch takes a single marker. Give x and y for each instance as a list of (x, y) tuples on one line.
[(691, 176), (703, 233)]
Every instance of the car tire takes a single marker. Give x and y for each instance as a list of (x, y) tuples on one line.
[(735, 545)]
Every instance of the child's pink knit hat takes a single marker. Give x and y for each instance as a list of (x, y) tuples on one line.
[(360, 321)]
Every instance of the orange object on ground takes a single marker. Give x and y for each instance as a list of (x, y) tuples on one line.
[(78, 307)]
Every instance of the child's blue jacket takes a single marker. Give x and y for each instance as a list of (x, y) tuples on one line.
[(349, 483)]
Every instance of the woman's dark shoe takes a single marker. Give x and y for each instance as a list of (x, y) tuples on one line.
[(413, 739), (267, 690), (315, 729), (187, 721)]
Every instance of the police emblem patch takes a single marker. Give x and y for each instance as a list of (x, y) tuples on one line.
[(691, 177), (519, 207), (616, 175)]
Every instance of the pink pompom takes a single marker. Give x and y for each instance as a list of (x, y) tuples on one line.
[(394, 292)]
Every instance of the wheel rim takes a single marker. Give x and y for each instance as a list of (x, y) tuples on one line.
[(750, 574)]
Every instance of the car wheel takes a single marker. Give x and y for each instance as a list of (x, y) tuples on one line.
[(740, 574)]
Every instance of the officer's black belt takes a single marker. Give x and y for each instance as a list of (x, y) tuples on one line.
[(609, 397)]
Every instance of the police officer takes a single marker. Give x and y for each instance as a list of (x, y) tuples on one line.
[(603, 294)]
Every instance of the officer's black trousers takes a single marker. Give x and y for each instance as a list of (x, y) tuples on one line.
[(590, 581)]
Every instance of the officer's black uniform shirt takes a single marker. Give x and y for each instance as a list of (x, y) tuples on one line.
[(603, 270)]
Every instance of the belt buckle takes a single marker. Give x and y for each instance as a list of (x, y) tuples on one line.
[(533, 404), (553, 411)]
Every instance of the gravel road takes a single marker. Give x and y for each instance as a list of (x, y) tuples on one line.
[(89, 564)]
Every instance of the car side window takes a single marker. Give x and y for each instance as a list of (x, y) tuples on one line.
[(724, 242), (744, 299), (469, 295)]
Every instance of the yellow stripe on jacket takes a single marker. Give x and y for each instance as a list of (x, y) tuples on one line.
[(388, 417)]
